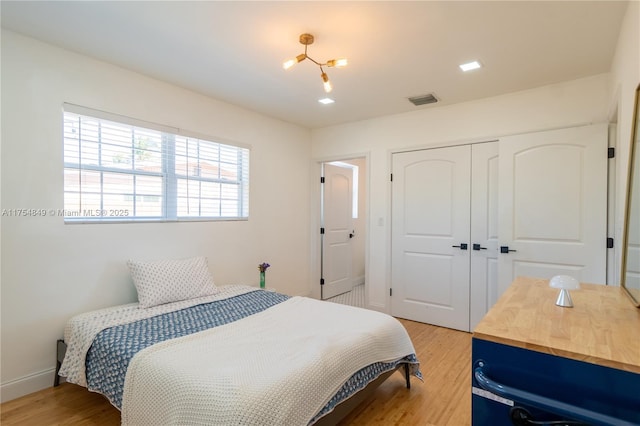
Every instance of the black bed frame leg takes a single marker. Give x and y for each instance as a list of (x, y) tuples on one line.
[(407, 376), (61, 350)]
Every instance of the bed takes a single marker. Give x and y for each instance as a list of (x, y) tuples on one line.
[(238, 356)]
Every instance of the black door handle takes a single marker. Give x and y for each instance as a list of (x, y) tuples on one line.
[(478, 247), (505, 249), (462, 246)]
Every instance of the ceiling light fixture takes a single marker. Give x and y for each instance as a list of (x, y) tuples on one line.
[(326, 101), (306, 40)]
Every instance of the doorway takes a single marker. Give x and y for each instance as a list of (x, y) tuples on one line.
[(343, 219)]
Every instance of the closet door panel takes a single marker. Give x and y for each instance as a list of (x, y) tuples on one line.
[(430, 215), (553, 204), (484, 229)]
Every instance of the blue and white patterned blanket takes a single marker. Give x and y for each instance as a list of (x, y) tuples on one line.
[(82, 329), (109, 356), (113, 348)]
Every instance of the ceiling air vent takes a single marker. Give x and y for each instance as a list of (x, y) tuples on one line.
[(423, 99)]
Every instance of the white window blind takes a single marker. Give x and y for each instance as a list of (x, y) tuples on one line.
[(115, 170)]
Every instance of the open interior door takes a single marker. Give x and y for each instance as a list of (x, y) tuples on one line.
[(337, 223)]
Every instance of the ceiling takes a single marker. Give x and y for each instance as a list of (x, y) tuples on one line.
[(233, 50)]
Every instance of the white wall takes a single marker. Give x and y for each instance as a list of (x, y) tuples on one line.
[(572, 103), (51, 271)]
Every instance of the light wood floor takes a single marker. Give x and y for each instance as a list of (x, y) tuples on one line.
[(443, 399)]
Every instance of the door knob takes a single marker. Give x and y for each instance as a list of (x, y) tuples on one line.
[(505, 249), (478, 247), (462, 246)]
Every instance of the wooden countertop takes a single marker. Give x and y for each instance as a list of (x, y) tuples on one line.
[(603, 327)]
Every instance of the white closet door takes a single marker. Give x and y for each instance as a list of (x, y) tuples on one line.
[(430, 215), (553, 204), (484, 230)]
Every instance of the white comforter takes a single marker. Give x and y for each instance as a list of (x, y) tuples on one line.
[(277, 367)]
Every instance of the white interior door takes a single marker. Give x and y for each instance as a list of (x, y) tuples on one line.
[(430, 217), (484, 230), (337, 217), (553, 204)]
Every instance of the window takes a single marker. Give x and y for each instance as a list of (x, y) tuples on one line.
[(119, 169)]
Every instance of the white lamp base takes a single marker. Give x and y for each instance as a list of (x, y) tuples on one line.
[(564, 299)]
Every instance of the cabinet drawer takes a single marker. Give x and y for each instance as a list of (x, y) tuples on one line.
[(548, 388)]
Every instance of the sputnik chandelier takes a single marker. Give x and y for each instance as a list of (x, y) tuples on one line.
[(307, 39)]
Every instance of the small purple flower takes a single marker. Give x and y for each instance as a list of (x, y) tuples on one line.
[(263, 266)]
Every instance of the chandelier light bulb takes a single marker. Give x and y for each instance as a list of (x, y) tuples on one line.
[(291, 62), (327, 84), (338, 63)]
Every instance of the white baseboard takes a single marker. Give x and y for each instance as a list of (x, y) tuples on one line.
[(26, 385), (358, 280)]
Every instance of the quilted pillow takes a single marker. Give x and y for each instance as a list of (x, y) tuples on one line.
[(172, 280)]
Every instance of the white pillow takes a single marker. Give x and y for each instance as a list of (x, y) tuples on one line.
[(171, 280)]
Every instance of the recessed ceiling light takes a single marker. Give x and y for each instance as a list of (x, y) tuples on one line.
[(470, 66), (326, 101)]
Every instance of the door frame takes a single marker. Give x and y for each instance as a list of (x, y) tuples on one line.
[(314, 289)]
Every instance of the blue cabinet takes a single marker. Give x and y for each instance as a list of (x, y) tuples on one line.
[(514, 386), (535, 363)]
